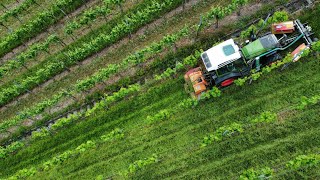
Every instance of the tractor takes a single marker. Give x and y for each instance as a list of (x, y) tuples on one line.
[(228, 61)]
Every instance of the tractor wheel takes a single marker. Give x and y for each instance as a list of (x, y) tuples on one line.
[(227, 82)]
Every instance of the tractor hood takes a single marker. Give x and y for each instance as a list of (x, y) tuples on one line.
[(260, 46), (221, 55)]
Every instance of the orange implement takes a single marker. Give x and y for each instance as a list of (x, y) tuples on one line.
[(283, 28), (297, 53), (196, 80)]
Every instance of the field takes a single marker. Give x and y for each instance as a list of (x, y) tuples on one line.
[(95, 90)]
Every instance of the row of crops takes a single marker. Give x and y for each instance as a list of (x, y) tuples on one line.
[(139, 129), (103, 74)]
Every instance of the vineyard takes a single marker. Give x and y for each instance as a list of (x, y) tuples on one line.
[(95, 89)]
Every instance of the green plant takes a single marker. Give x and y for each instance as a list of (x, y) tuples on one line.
[(267, 117), (13, 147), (213, 93), (43, 132), (245, 34), (24, 173), (161, 115), (251, 174), (304, 160), (115, 134), (240, 81), (139, 164), (41, 21), (278, 16), (88, 145), (305, 101), (221, 133)]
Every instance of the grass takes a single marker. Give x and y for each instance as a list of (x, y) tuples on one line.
[(183, 133)]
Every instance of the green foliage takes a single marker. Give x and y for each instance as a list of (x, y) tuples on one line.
[(109, 99), (115, 134), (15, 12), (24, 173), (221, 133), (30, 112), (59, 159), (66, 120), (43, 132), (31, 53), (305, 101), (161, 115), (251, 174), (140, 164), (13, 147), (245, 34), (316, 46), (219, 12), (305, 53), (227, 131), (114, 1), (76, 54), (99, 177), (279, 16), (100, 76), (85, 146), (41, 21), (213, 93), (240, 2), (188, 103), (240, 81), (304, 160), (131, 60), (3, 152), (188, 62), (88, 16), (256, 76), (267, 117), (260, 24)]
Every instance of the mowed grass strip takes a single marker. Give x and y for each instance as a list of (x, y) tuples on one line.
[(66, 140), (181, 144)]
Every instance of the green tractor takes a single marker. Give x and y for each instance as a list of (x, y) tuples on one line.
[(228, 61)]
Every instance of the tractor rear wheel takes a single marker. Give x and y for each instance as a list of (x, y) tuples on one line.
[(227, 82)]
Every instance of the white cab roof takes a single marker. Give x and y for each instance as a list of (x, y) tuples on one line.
[(220, 55)]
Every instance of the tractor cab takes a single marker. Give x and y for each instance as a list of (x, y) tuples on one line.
[(224, 63)]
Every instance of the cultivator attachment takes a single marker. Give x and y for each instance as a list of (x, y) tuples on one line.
[(305, 30)]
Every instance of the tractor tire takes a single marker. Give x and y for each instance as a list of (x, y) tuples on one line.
[(227, 82)]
